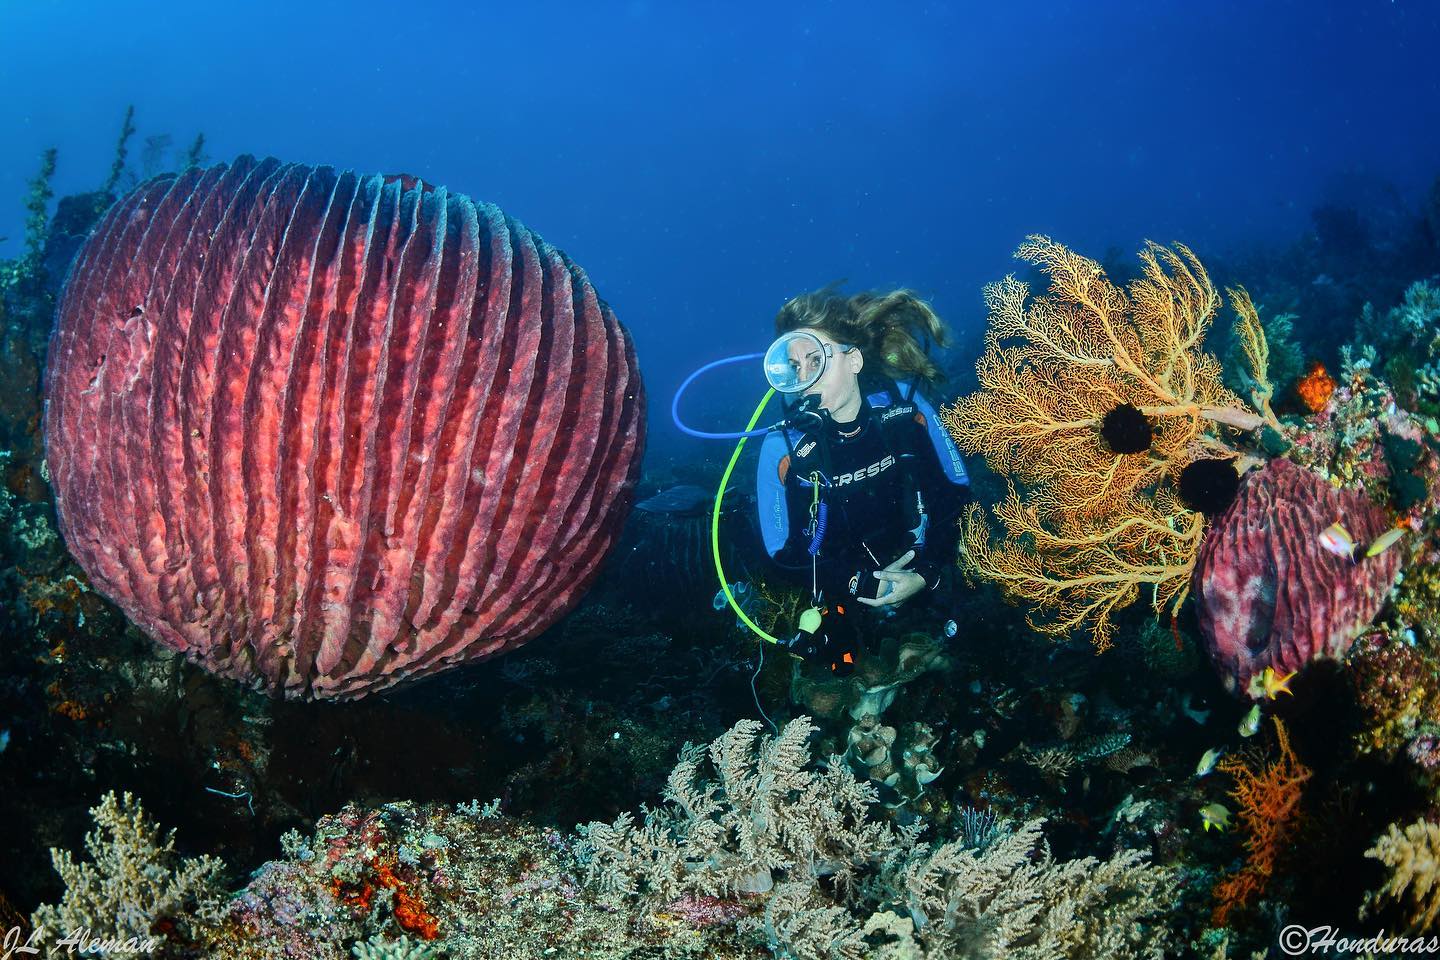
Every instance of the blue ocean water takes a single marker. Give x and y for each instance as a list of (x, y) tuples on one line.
[(704, 162)]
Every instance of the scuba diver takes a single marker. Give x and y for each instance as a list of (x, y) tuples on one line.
[(859, 487), (860, 493)]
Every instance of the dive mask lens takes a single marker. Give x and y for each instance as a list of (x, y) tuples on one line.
[(795, 361)]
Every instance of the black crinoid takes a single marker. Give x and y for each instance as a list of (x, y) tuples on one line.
[(1127, 430), (1209, 486)]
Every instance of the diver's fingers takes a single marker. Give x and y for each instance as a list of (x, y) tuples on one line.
[(902, 561), (874, 603)]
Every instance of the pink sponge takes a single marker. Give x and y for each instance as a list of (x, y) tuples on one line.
[(322, 432), (1269, 594)]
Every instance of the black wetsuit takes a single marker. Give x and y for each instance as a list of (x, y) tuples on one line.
[(892, 481)]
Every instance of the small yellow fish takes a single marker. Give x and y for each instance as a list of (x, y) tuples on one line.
[(1214, 815), (1336, 539), (1208, 761), (1386, 540), (1272, 684), (1251, 724)]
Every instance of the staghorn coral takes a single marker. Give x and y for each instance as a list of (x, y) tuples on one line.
[(830, 881), (1095, 526), (1413, 856), (1268, 795), (134, 879)]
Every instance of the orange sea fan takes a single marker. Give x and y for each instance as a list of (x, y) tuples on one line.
[(1089, 526), (1268, 795)]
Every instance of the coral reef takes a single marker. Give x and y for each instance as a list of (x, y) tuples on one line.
[(1268, 592), (878, 677), (1364, 440), (465, 882), (1412, 855), (1406, 342), (134, 885), (747, 820), (1097, 525), (267, 413), (377, 948), (1268, 795), (1397, 691)]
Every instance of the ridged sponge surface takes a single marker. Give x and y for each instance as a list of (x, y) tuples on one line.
[(322, 431), (1269, 594)]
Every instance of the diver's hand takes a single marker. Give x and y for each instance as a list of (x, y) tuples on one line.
[(904, 584)]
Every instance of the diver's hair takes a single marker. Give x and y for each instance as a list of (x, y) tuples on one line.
[(888, 327)]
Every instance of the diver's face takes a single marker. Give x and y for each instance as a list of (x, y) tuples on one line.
[(839, 386)]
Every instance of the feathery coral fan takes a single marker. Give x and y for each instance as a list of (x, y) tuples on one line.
[(1413, 856), (1268, 795), (1097, 524)]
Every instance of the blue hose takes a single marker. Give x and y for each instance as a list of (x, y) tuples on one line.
[(819, 536), (703, 434)]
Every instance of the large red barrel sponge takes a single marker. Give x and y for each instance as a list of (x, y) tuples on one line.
[(322, 432), (1269, 594)]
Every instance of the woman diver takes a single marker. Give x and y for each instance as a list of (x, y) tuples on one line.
[(860, 495)]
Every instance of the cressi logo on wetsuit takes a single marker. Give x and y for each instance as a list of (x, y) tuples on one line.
[(873, 470)]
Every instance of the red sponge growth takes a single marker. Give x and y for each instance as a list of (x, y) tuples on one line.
[(322, 431), (1269, 592)]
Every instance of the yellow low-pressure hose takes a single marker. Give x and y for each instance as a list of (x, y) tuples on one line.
[(715, 521)]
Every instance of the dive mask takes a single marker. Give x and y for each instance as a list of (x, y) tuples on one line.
[(796, 360)]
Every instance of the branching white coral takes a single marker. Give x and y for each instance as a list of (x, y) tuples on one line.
[(1413, 856), (740, 815), (378, 948), (133, 879), (746, 816)]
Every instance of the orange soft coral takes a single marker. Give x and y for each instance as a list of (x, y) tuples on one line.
[(1315, 388), (1268, 795)]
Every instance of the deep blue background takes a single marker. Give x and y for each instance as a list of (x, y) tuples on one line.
[(705, 161)]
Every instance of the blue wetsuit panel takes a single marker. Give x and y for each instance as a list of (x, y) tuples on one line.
[(770, 493), (945, 448)]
